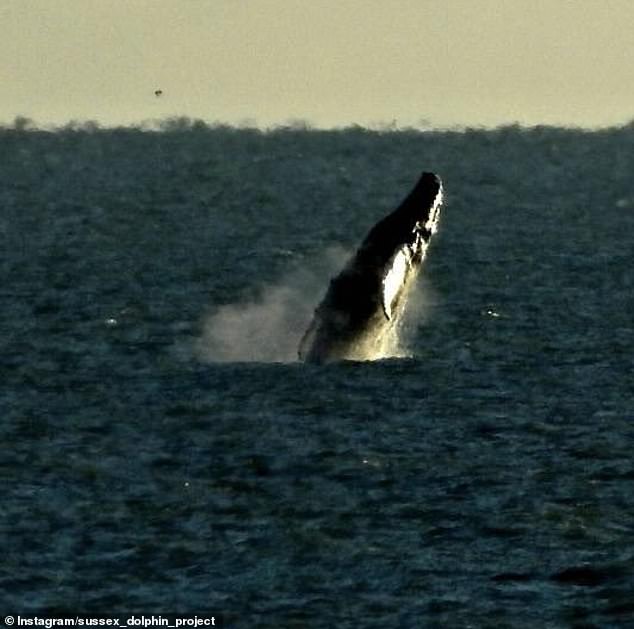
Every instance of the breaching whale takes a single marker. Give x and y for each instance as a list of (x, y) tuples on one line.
[(358, 317)]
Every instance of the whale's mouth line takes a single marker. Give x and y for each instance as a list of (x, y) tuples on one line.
[(423, 233), (431, 225)]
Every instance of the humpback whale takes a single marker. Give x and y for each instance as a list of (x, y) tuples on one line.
[(359, 315)]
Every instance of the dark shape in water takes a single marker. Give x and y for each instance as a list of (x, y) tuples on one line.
[(587, 576), (358, 317)]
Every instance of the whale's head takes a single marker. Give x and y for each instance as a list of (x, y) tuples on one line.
[(418, 218), (411, 225)]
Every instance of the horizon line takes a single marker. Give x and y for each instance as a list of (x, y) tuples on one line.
[(182, 122)]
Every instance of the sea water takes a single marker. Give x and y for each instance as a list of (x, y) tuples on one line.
[(164, 452)]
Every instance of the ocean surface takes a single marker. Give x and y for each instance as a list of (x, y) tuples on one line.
[(163, 451)]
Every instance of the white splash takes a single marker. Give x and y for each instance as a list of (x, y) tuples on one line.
[(269, 328)]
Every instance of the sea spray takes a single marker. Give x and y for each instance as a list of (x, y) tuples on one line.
[(268, 329)]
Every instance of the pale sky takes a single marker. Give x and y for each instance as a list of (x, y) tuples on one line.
[(330, 62)]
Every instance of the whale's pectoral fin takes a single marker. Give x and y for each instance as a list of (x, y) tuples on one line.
[(394, 281)]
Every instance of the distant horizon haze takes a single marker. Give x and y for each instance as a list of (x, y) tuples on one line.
[(409, 63)]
